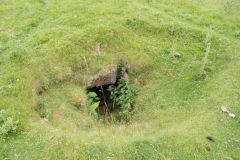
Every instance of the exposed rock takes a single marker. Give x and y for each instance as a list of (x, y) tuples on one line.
[(232, 115), (109, 75), (109, 78), (224, 109)]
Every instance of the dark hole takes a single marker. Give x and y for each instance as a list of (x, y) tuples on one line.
[(100, 86), (106, 105)]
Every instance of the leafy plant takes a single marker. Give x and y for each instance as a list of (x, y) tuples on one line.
[(209, 34), (124, 95), (173, 52), (92, 103), (202, 73), (7, 124)]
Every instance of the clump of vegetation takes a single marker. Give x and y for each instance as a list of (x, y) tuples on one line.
[(93, 103), (7, 124), (41, 108), (173, 52), (204, 62), (124, 95), (117, 102), (173, 26), (209, 34), (202, 71)]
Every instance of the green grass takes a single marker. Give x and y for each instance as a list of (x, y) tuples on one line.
[(43, 44)]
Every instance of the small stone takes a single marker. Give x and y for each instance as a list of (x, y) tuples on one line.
[(224, 109), (232, 115)]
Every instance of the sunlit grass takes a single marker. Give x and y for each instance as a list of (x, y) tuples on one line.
[(45, 46)]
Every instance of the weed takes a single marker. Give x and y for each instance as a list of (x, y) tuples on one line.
[(114, 101), (237, 34), (204, 62), (41, 108), (7, 124), (92, 103), (124, 95), (202, 72), (173, 52), (209, 34), (173, 26), (173, 49)]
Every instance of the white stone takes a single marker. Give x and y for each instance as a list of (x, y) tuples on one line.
[(232, 115), (224, 109)]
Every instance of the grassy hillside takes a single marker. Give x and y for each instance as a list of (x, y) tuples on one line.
[(46, 45)]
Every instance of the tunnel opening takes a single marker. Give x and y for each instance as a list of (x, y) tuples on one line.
[(106, 104), (103, 85), (111, 95)]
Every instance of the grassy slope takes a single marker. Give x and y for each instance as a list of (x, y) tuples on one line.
[(43, 44)]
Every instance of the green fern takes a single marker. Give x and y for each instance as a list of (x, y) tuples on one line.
[(92, 103)]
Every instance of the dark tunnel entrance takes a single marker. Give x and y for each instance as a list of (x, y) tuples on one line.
[(102, 86)]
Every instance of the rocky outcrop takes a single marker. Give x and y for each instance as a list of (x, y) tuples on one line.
[(109, 76)]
